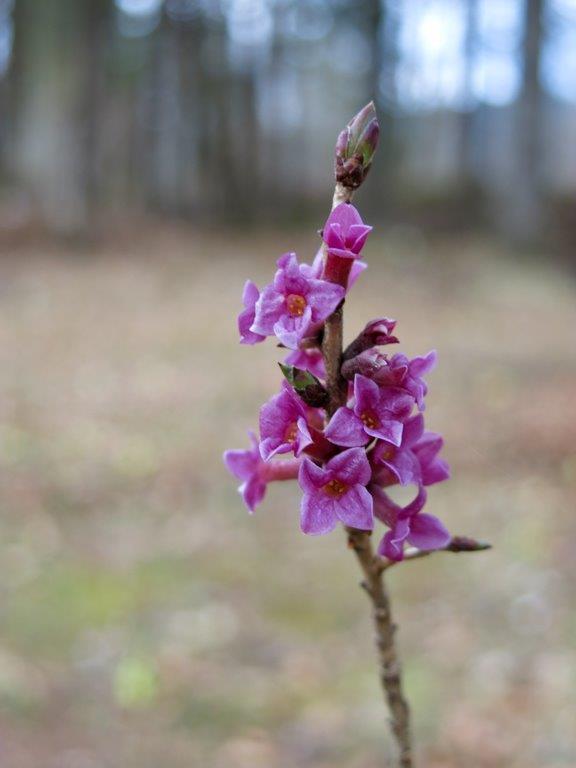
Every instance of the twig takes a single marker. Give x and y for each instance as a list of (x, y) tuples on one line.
[(360, 542), (390, 670), (456, 544), (336, 385)]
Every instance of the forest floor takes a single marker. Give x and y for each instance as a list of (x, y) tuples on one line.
[(148, 621)]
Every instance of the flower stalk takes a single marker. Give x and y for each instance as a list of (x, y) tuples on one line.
[(361, 544), (390, 669), (332, 341)]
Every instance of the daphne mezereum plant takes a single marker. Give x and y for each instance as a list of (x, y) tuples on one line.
[(352, 418)]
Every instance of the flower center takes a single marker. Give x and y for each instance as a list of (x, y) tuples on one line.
[(335, 488), (291, 432), (387, 452), (369, 419), (296, 304)]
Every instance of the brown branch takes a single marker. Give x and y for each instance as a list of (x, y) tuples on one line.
[(456, 544), (390, 670), (336, 385), (360, 542)]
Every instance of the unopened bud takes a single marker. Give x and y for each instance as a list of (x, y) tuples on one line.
[(376, 333), (368, 363), (466, 544), (355, 147)]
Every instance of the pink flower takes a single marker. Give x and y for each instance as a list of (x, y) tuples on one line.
[(433, 469), (336, 492), (407, 374), (250, 296), (399, 464), (407, 524), (375, 412), (414, 461), (344, 232), (398, 371), (294, 303), (283, 425), (255, 474)]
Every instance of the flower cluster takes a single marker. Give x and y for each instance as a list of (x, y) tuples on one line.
[(345, 462)]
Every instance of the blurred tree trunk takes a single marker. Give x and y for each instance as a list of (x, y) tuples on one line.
[(526, 211), (468, 119), (193, 133), (203, 153), (374, 26), (58, 60), (233, 165), (5, 88), (163, 118), (382, 25), (93, 33), (4, 129)]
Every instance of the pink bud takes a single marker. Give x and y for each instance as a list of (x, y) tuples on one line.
[(355, 147)]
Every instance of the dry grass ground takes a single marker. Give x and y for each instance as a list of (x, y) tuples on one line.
[(148, 621)]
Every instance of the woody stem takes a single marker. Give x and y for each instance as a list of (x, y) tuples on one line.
[(360, 543)]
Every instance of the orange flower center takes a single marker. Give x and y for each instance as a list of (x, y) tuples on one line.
[(387, 452), (370, 420), (291, 432), (335, 488), (296, 304)]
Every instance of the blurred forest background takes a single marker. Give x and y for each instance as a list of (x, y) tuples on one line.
[(225, 110), (153, 155)]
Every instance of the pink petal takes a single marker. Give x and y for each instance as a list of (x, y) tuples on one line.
[(405, 467), (427, 532), (269, 308), (389, 431), (357, 236), (324, 297), (436, 472), (396, 402), (392, 545), (291, 330), (366, 393), (308, 360), (413, 430), (250, 296), (253, 491), (303, 438), (422, 365), (386, 510), (345, 215), (311, 477), (356, 270), (351, 466), (333, 236), (345, 428), (355, 509), (317, 515), (242, 464), (270, 446), (427, 448)]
